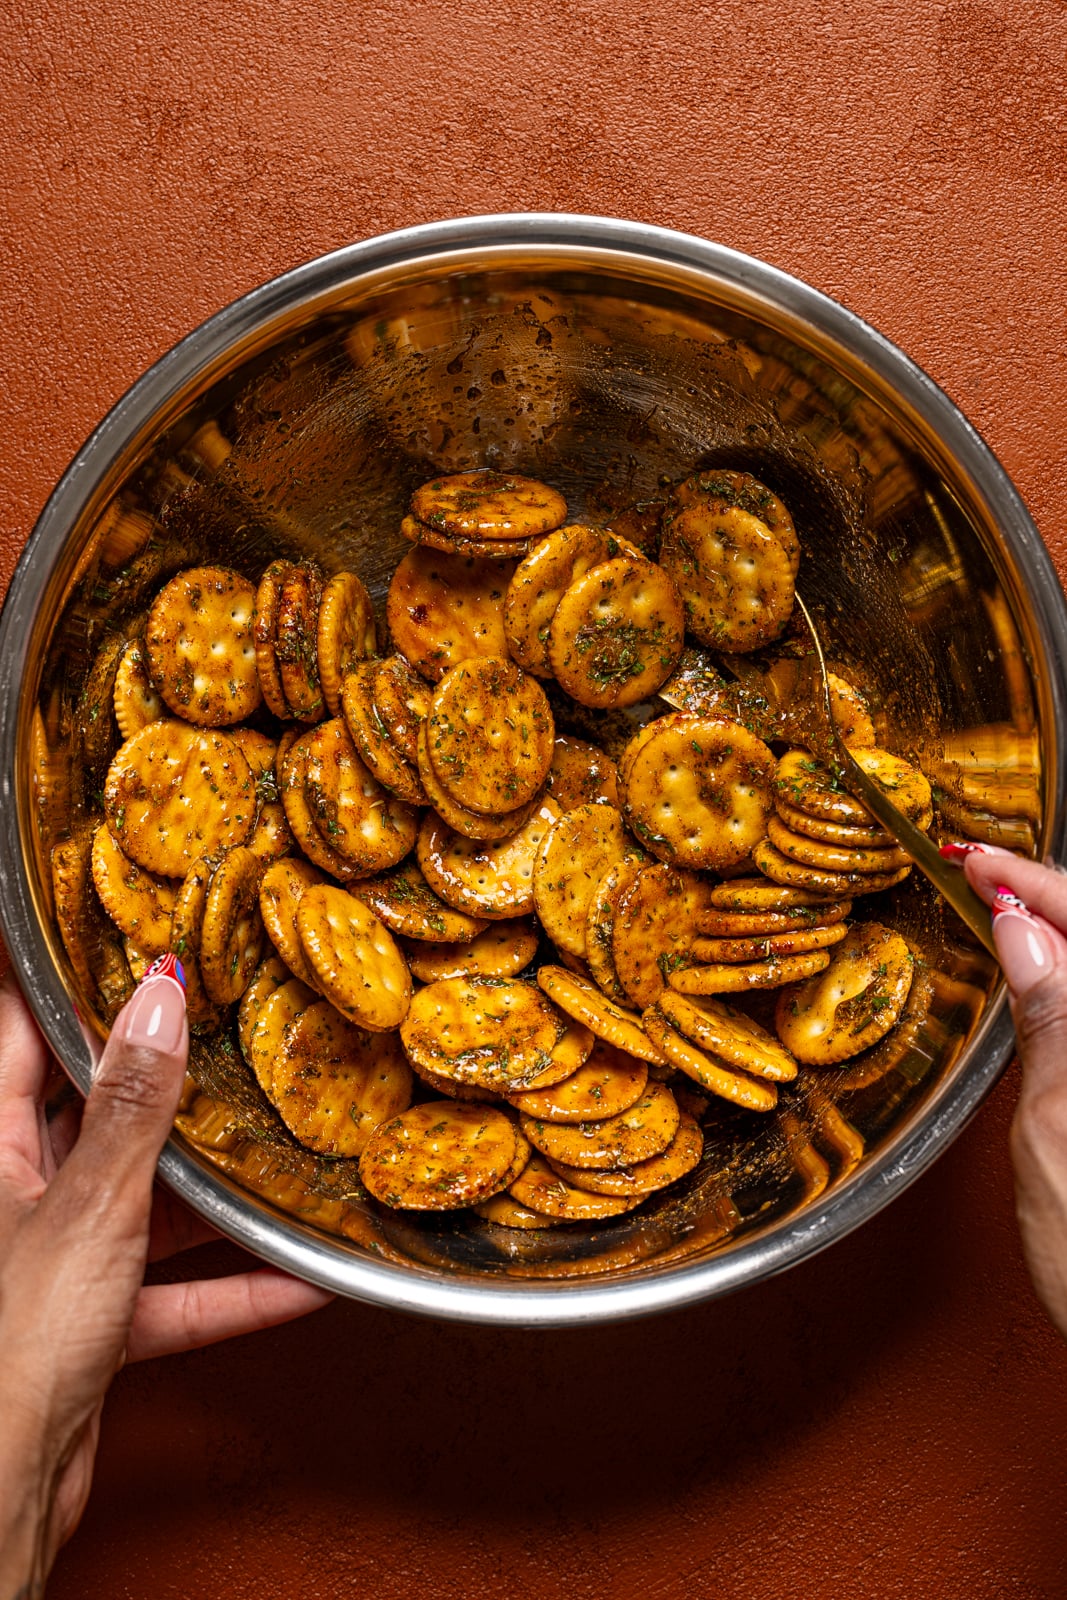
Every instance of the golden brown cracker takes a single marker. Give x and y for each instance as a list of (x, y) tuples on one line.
[(174, 793), (356, 960), (484, 879), (653, 929), (735, 577), (607, 1083), (495, 1033), (439, 1156), (345, 633), (443, 608), (333, 1083), (581, 847), (643, 1130), (201, 652), (490, 735), (617, 633), (853, 1003), (715, 1076), (541, 581), (488, 505), (585, 1004), (501, 951), (138, 902), (581, 774), (136, 702), (231, 937), (407, 905)]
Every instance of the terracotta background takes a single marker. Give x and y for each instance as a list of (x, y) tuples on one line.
[(892, 1418)]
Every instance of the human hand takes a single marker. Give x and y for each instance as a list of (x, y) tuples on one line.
[(78, 1222), (1029, 904)]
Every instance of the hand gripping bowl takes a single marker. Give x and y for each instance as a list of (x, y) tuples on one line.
[(607, 358)]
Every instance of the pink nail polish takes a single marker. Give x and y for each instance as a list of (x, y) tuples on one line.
[(957, 851), (1023, 944), (155, 1017)]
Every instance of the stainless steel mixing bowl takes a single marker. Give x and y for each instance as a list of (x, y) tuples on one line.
[(608, 358)]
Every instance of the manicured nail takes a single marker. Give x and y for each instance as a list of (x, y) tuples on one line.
[(1023, 944), (156, 1015), (958, 851)]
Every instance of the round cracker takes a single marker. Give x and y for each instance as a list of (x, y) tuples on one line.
[(407, 905), (296, 641), (231, 936), (607, 1083), (452, 544), (769, 947), (736, 977), (734, 575), (834, 857), (264, 624), (743, 490), (333, 1083), (853, 1003), (138, 902), (371, 737), (174, 793), (277, 1010), (471, 824), (643, 1130), (345, 633), (443, 608), (504, 1212), (841, 833), (484, 880), (715, 1076), (402, 700), (617, 633), (698, 791), (810, 787), (186, 926), (280, 891), (600, 927), (581, 1000), (501, 951), (496, 1033), (582, 846), (782, 869), (852, 719), (200, 646), (542, 580), (357, 819), (643, 1177), (439, 1156), (757, 895), (729, 1035), (136, 702), (271, 973), (654, 928), (490, 735), (755, 924), (541, 1189), (356, 961), (488, 505), (581, 774)]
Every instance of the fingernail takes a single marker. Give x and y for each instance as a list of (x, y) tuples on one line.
[(957, 851), (1023, 944), (156, 1015)]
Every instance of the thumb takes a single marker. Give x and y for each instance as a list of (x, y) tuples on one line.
[(134, 1095)]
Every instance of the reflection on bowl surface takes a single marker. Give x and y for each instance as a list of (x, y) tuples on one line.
[(607, 360)]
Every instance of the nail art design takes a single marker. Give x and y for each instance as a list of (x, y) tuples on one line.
[(1007, 903), (957, 851), (166, 966)]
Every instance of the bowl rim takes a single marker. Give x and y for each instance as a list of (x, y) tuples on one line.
[(333, 1263)]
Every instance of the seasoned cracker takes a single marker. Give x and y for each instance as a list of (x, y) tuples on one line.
[(276, 1011), (402, 700), (715, 1076), (356, 960), (488, 505), (186, 928), (698, 792), (372, 738), (439, 1156), (542, 580), (264, 636), (755, 924), (201, 651), (280, 891), (736, 977), (504, 1212), (782, 869), (769, 947), (853, 1003), (471, 824), (345, 633), (571, 1051), (850, 712), (443, 608), (741, 489), (454, 545), (231, 936), (581, 774), (503, 950), (617, 633), (484, 880), (540, 1189), (292, 774), (653, 929), (735, 577), (808, 786), (174, 793), (840, 833), (834, 857), (370, 829), (582, 846), (78, 915), (643, 1177), (600, 927), (758, 896), (495, 1033), (582, 1001), (138, 902), (333, 1084), (729, 1035), (643, 1130), (271, 973), (609, 1082), (490, 735), (406, 904), (136, 702), (296, 641)]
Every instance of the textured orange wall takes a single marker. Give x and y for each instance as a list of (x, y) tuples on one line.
[(892, 1418)]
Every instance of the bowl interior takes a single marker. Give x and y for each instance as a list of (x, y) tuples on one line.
[(301, 428)]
